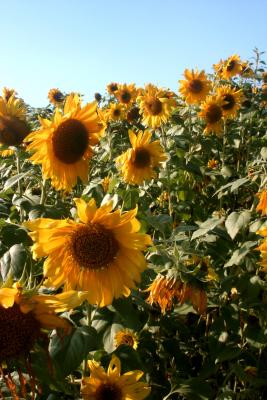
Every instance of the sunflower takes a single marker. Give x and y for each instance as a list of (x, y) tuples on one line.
[(111, 385), (231, 98), (247, 71), (138, 163), (112, 88), (55, 97), (64, 145), (101, 254), (133, 115), (126, 94), (262, 205), (212, 164), (115, 112), (23, 316), (232, 67), (13, 126), (196, 86), (155, 106), (105, 183), (218, 68), (7, 93), (164, 292), (212, 112), (126, 337)]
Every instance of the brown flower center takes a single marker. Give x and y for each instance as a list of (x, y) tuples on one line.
[(113, 87), (108, 391), (133, 114), (93, 246), (154, 106), (18, 332), (70, 141), (12, 131), (142, 158), (195, 86), (58, 96), (229, 102), (125, 96), (116, 112), (231, 65), (213, 114), (127, 339)]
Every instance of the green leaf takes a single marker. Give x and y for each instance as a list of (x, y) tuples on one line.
[(13, 180), (207, 226), (236, 221), (239, 254), (13, 262)]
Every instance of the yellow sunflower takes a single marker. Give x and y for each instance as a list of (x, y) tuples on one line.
[(138, 163), (218, 68), (164, 292), (13, 125), (212, 164), (247, 71), (111, 385), (212, 113), (112, 88), (101, 254), (155, 106), (55, 96), (127, 337), (262, 205), (115, 112), (196, 86), (126, 94), (232, 99), (7, 93), (64, 145), (232, 67)]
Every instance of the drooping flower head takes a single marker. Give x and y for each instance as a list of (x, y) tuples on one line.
[(232, 67), (231, 98), (155, 106), (55, 96), (111, 385), (100, 254), (64, 145), (138, 163), (195, 87), (126, 337), (212, 113)]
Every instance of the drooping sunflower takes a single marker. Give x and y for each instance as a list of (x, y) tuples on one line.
[(232, 99), (155, 106), (195, 87), (262, 205), (133, 115), (212, 113), (111, 385), (23, 318), (127, 337), (232, 67), (164, 291), (112, 88), (246, 71), (55, 96), (138, 163), (101, 254), (115, 112), (13, 125), (64, 145), (126, 94)]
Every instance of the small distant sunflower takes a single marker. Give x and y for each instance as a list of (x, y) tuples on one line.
[(155, 106), (101, 254), (212, 112), (105, 183), (112, 88), (213, 164), (232, 99), (127, 337), (262, 205), (13, 125), (126, 94), (55, 96), (64, 145), (111, 385), (232, 67), (138, 163), (196, 86), (115, 112), (218, 68), (7, 93), (246, 71)]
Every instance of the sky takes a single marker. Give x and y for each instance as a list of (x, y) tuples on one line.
[(82, 45)]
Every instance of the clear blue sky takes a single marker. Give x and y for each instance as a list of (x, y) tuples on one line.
[(82, 45)]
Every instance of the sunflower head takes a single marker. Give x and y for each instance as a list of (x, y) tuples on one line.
[(164, 292), (126, 337), (133, 115), (55, 96), (115, 112), (13, 126), (246, 71), (232, 100), (212, 113), (63, 145), (155, 106), (232, 67), (126, 94), (7, 93), (213, 164), (138, 163), (195, 87), (218, 68), (98, 97), (112, 88), (111, 385)]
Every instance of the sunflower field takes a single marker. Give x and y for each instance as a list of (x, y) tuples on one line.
[(133, 248)]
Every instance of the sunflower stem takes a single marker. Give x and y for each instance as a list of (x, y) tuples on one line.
[(165, 145), (20, 191), (88, 318), (43, 193)]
